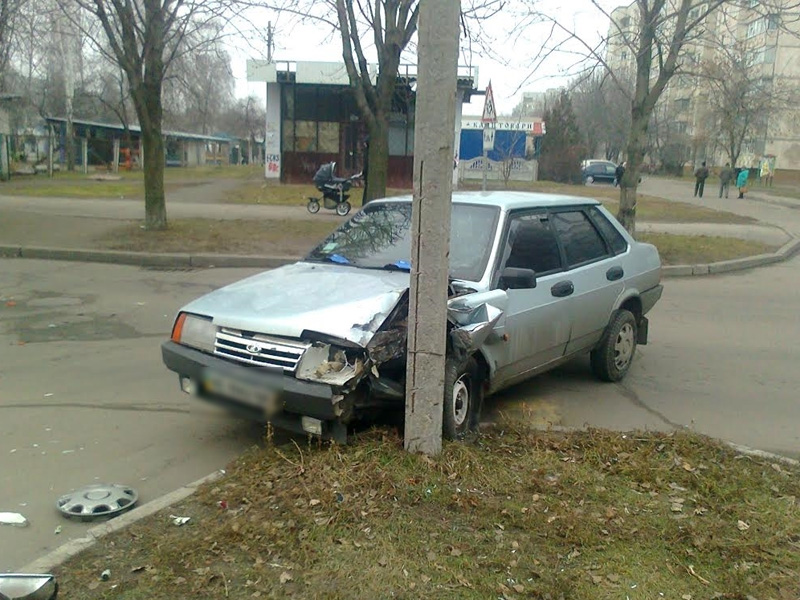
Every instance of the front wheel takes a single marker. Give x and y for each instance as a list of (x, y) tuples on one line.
[(343, 208), (462, 398), (313, 206), (613, 356), (589, 179)]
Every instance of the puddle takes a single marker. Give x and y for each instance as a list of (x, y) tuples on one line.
[(55, 302), (97, 328)]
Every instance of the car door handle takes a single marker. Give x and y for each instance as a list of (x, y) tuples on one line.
[(615, 273), (562, 289)]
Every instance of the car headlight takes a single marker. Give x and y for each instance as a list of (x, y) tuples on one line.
[(197, 332)]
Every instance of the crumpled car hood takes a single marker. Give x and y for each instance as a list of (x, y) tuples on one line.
[(340, 301)]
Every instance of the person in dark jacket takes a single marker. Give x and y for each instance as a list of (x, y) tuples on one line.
[(619, 173), (700, 176), (725, 178)]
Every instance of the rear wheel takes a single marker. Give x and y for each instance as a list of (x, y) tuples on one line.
[(613, 356), (462, 400), (589, 179), (313, 206), (343, 208)]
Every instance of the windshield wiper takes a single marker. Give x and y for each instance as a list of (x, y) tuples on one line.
[(398, 265), (338, 259)]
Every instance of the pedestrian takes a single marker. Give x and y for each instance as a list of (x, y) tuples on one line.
[(700, 176), (619, 172), (725, 178), (741, 181), (365, 170)]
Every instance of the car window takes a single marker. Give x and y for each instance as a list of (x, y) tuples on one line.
[(615, 239), (610, 169), (582, 242), (379, 236), (532, 244)]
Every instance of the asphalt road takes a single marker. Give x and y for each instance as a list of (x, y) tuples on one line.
[(84, 397)]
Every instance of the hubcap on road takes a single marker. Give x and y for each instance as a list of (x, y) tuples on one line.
[(97, 501), (623, 348)]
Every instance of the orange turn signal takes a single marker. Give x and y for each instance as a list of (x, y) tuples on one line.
[(177, 329)]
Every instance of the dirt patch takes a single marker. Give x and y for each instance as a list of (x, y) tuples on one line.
[(513, 513), (277, 238)]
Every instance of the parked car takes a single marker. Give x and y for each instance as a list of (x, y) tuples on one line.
[(600, 171), (535, 279)]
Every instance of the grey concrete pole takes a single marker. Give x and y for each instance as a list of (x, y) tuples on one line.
[(434, 138)]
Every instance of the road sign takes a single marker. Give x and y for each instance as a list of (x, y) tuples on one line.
[(488, 138), (489, 109)]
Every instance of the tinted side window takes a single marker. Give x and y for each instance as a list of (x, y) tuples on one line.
[(614, 237), (533, 245), (581, 240)]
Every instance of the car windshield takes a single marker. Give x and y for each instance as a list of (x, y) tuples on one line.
[(379, 237)]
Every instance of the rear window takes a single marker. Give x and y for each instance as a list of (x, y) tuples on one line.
[(614, 238), (582, 242)]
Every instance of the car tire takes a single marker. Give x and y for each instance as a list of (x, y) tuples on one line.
[(313, 206), (462, 400), (589, 179), (343, 208), (613, 356)]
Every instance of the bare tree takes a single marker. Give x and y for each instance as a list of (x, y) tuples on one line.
[(602, 109), (657, 35), (743, 97), (144, 38), (9, 12)]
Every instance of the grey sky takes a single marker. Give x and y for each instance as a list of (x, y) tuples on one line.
[(513, 47)]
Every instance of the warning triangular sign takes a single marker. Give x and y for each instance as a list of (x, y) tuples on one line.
[(489, 109)]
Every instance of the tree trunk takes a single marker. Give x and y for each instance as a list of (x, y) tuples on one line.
[(155, 207), (378, 170), (630, 180)]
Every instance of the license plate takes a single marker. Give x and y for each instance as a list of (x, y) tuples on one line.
[(262, 397)]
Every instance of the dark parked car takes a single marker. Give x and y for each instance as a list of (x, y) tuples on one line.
[(599, 172)]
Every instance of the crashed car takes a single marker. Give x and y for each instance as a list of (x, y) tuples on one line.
[(319, 345)]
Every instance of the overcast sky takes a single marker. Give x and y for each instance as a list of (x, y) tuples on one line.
[(508, 63)]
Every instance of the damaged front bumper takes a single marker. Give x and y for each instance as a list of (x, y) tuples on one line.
[(257, 394)]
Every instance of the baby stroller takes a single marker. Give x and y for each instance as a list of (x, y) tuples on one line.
[(334, 190)]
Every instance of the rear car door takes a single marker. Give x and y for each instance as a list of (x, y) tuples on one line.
[(537, 321), (594, 268)]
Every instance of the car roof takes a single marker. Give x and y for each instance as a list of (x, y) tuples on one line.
[(510, 200)]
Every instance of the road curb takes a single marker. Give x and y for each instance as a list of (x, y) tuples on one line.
[(785, 252), (57, 557), (177, 260)]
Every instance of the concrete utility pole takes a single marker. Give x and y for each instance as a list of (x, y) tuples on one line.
[(434, 139)]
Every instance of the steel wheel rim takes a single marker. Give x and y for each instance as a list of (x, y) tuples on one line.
[(313, 207), (460, 400), (623, 347), (342, 209)]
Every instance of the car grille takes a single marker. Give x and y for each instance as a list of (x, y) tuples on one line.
[(259, 350)]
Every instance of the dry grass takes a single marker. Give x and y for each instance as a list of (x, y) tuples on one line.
[(277, 194), (649, 208), (701, 249), (510, 514), (281, 238), (294, 238)]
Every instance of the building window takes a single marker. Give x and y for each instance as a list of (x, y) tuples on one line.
[(624, 55), (772, 22), (682, 104), (625, 22)]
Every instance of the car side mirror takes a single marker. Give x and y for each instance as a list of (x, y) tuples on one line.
[(519, 279)]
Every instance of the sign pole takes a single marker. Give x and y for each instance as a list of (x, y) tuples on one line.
[(489, 119), (485, 155)]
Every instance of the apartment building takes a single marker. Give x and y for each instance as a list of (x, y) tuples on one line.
[(769, 41)]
